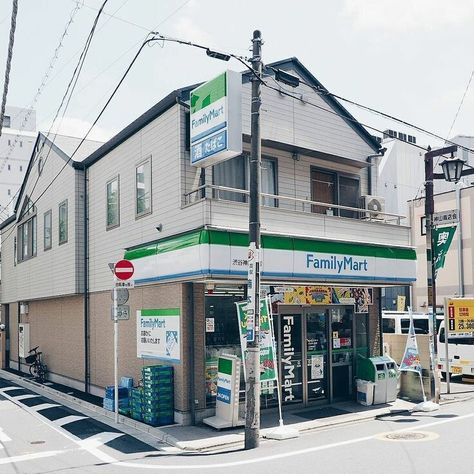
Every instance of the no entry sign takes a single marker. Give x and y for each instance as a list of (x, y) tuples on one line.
[(124, 270)]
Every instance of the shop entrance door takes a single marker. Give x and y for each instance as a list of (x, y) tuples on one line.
[(316, 353), (342, 351)]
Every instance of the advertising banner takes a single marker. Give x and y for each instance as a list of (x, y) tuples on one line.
[(267, 355), (442, 238), (411, 356), (227, 399), (159, 334), (460, 315), (215, 120)]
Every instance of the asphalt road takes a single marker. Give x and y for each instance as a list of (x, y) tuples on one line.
[(36, 437)]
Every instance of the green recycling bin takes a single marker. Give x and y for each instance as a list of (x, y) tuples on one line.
[(383, 371)]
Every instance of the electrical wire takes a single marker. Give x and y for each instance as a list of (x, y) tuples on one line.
[(39, 91), (34, 202), (323, 91), (66, 96), (11, 42)]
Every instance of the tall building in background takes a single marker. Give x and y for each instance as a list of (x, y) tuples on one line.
[(19, 125), (400, 178)]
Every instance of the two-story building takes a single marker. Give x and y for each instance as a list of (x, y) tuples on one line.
[(186, 231)]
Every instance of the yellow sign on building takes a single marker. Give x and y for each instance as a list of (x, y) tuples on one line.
[(460, 314)]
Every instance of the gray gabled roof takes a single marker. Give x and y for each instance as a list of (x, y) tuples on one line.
[(295, 64), (64, 146)]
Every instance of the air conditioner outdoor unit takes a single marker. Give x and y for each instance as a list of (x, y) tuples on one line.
[(374, 207)]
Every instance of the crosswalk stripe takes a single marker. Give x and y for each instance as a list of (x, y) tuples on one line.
[(25, 397), (43, 406), (69, 419)]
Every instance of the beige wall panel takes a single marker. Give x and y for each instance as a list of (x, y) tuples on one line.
[(101, 336)]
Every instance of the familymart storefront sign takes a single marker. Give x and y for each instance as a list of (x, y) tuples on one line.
[(214, 253)]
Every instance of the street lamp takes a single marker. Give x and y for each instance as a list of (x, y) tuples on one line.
[(452, 169), (452, 172)]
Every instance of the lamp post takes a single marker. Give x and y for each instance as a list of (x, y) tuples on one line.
[(452, 172)]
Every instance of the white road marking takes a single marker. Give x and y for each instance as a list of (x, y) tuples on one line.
[(92, 445), (3, 437), (29, 457), (287, 454), (25, 397), (44, 406), (69, 419)]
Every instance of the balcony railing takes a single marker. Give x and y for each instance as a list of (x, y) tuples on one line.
[(289, 203)]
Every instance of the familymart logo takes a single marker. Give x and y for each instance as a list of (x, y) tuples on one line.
[(338, 263)]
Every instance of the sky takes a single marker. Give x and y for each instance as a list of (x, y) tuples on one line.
[(408, 58)]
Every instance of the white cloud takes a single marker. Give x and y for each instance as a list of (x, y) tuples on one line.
[(408, 15), (187, 29), (76, 127)]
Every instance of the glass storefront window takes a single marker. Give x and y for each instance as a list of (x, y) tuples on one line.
[(222, 337), (362, 335)]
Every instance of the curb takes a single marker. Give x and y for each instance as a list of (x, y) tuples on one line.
[(123, 420)]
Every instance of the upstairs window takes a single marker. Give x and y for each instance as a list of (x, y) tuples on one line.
[(334, 188), (7, 122), (234, 173), (113, 204), (26, 232), (63, 222), (47, 230), (143, 188)]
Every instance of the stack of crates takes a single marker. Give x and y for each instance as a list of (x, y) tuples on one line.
[(109, 399), (136, 404), (158, 395)]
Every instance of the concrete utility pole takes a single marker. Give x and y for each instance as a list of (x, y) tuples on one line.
[(252, 389)]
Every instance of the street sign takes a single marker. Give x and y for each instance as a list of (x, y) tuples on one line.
[(460, 315), (446, 217), (123, 312), (123, 270), (122, 295)]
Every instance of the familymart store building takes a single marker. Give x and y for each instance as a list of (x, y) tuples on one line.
[(324, 299)]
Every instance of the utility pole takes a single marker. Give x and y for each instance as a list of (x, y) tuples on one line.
[(430, 271), (252, 389)]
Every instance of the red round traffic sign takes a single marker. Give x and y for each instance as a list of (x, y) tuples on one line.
[(124, 269)]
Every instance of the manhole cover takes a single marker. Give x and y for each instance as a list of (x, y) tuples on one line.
[(408, 436), (36, 442)]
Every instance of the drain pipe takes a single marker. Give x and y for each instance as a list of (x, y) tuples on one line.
[(460, 260), (86, 288), (370, 171)]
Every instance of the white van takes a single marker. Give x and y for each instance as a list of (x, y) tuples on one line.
[(398, 322), (461, 353)]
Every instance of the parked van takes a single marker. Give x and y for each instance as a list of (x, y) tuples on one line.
[(460, 350), (398, 322)]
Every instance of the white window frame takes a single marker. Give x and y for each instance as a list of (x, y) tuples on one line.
[(150, 209), (61, 204), (45, 246), (110, 182)]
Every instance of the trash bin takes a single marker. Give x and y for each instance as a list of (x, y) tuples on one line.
[(383, 372), (365, 392), (392, 381)]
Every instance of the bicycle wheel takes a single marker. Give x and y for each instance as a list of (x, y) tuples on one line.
[(34, 370)]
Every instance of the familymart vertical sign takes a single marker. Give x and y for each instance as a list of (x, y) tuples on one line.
[(159, 334), (215, 120)]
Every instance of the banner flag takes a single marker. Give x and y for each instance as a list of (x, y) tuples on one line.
[(442, 238), (411, 356), (267, 353)]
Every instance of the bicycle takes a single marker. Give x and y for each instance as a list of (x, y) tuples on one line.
[(38, 369)]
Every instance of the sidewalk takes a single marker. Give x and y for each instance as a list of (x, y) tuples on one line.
[(203, 437)]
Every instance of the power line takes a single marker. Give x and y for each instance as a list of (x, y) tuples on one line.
[(68, 94), (147, 41), (39, 91), (323, 91), (9, 62), (462, 101)]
